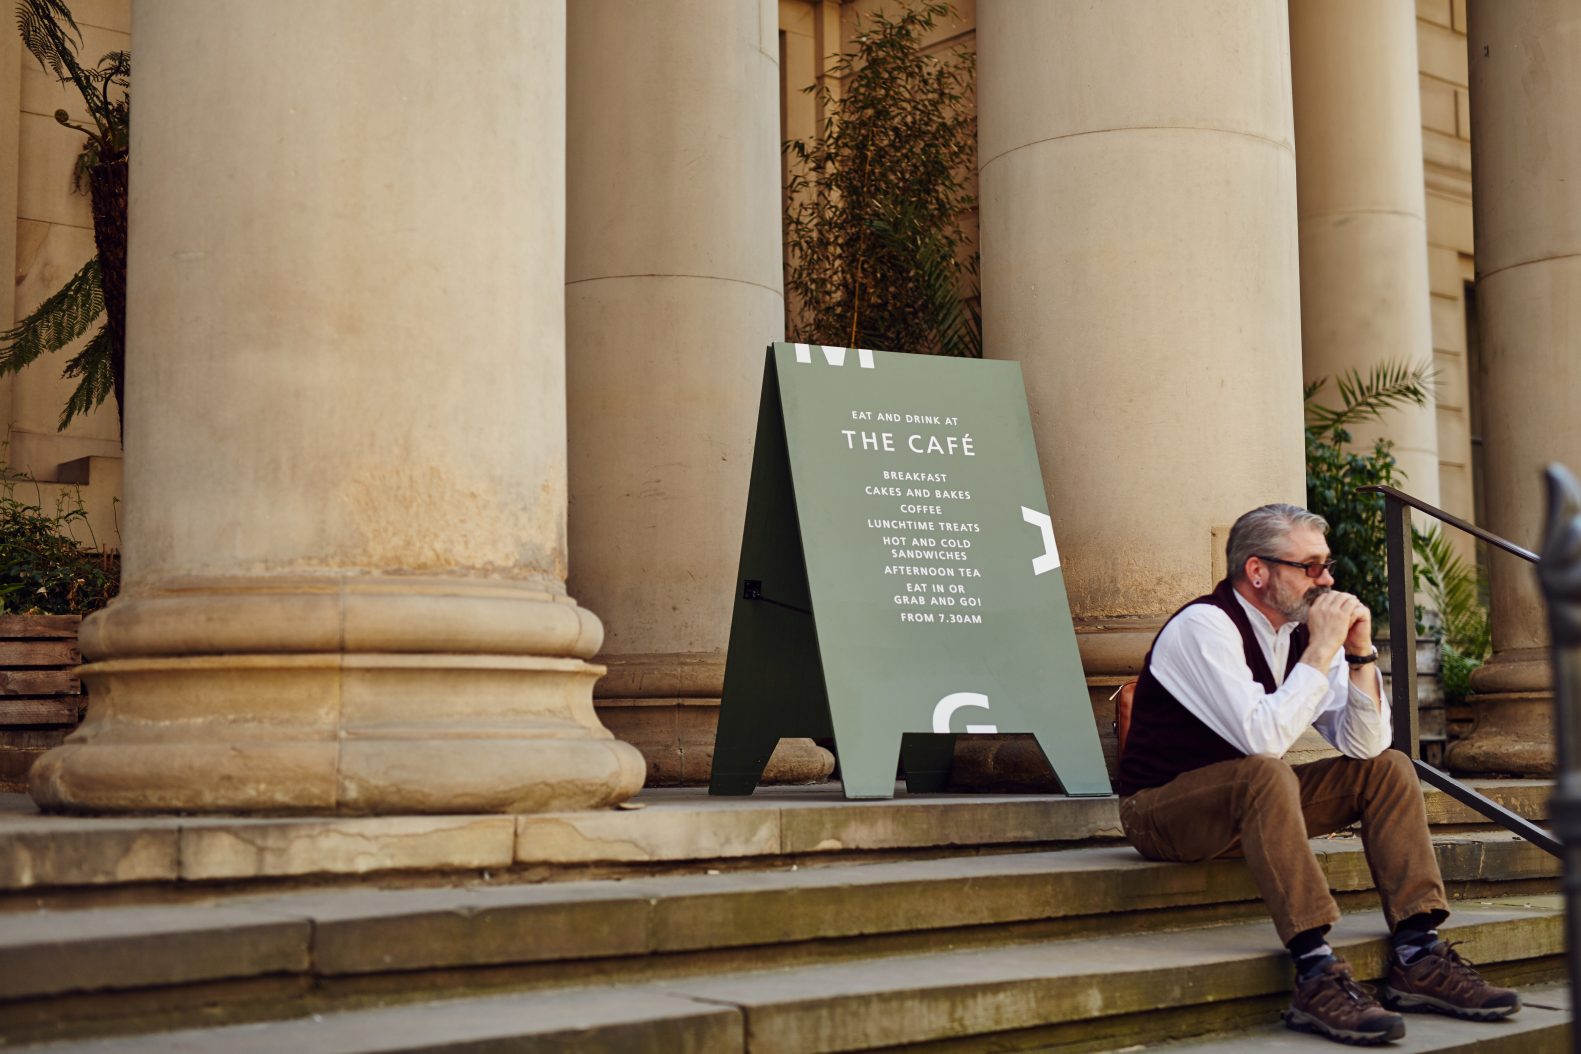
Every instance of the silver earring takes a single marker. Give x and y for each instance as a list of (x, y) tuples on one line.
[(1257, 584)]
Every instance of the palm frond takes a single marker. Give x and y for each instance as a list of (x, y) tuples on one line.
[(97, 377), (1456, 590), (1365, 396), (59, 320)]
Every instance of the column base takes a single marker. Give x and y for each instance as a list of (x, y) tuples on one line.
[(1514, 703), (393, 729), (676, 739), (666, 704)]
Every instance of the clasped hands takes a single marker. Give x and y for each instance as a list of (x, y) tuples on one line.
[(1337, 620)]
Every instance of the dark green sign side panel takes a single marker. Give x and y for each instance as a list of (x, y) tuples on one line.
[(773, 681), (932, 569)]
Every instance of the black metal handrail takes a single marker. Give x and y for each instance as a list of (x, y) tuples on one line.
[(1402, 645), (1454, 521)]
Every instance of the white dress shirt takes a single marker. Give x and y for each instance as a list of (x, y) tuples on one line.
[(1199, 657)]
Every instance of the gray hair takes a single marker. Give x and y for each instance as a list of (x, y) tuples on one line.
[(1262, 532)]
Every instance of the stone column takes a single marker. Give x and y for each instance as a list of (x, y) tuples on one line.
[(345, 430), (673, 288), (1363, 213), (1526, 182), (1139, 256)]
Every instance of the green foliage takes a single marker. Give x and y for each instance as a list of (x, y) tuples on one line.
[(51, 35), (1357, 535), (1356, 525), (94, 368), (876, 255), (1364, 397), (43, 567), (59, 320), (1459, 593)]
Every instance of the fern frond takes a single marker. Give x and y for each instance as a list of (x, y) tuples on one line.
[(39, 22), (97, 377), (44, 25), (59, 320)]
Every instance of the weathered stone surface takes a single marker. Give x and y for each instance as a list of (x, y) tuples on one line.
[(448, 677), (365, 931), (1496, 856), (647, 834), (258, 848), (1542, 1027), (688, 825), (40, 852), (951, 820), (46, 953), (1513, 735), (1527, 797), (914, 999), (580, 1022), (812, 903), (373, 931), (830, 1002), (676, 738)]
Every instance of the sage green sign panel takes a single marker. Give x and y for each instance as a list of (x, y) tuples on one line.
[(900, 583)]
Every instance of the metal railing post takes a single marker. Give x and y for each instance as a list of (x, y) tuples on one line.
[(1402, 631), (1402, 627), (1559, 572)]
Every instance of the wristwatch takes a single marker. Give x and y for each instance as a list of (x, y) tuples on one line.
[(1362, 660)]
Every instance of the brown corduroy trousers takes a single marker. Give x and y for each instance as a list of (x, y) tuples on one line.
[(1265, 810)]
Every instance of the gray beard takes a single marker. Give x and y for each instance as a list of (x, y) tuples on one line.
[(1292, 606)]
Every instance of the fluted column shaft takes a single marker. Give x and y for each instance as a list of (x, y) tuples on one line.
[(344, 547), (1363, 212), (1526, 182)]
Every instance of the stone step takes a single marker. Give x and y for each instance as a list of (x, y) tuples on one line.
[(1089, 992), (348, 944), (579, 1022), (44, 856), (369, 931), (1541, 1027)]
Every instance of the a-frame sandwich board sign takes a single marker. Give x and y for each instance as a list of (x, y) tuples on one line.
[(899, 582)]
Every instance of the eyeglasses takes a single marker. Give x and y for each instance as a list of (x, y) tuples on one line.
[(1315, 569)]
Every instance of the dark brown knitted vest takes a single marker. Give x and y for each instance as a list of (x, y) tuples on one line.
[(1166, 739)]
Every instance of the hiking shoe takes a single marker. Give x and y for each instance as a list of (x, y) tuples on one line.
[(1439, 979), (1332, 1004)]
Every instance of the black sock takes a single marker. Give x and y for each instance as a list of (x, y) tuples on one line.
[(1415, 935), (1310, 952)]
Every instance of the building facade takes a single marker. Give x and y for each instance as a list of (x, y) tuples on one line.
[(445, 338)]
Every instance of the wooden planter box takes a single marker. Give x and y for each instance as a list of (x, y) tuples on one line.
[(41, 700)]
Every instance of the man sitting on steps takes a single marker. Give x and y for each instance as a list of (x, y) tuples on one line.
[(1232, 679)]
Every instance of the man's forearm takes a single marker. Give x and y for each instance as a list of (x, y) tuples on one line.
[(1369, 682), (1320, 656)]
